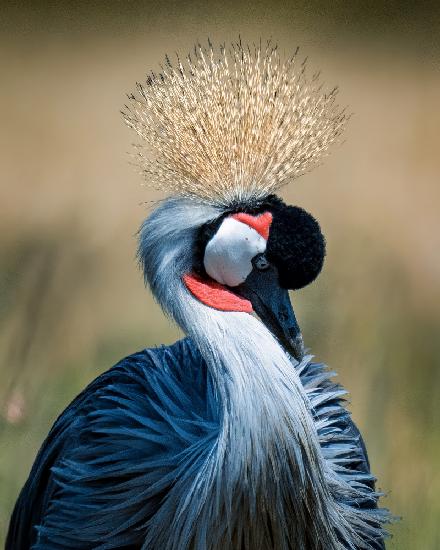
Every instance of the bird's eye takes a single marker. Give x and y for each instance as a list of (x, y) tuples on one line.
[(260, 262)]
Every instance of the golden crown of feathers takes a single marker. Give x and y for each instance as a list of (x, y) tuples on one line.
[(232, 124)]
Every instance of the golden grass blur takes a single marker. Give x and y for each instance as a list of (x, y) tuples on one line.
[(72, 301)]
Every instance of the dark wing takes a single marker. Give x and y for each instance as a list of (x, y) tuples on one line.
[(107, 462), (342, 442), (363, 465), (33, 498)]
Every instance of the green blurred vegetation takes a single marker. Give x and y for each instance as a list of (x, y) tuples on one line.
[(72, 302)]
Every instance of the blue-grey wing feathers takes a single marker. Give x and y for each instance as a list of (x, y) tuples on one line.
[(112, 456)]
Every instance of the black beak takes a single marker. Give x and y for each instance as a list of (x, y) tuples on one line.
[(272, 305)]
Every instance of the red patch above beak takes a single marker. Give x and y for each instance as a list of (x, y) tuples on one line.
[(215, 295), (260, 223)]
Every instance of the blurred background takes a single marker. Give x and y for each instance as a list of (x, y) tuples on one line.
[(72, 301)]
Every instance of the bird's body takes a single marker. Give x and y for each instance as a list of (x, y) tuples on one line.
[(231, 439), (148, 422)]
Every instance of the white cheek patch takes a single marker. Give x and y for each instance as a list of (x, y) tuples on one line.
[(228, 255)]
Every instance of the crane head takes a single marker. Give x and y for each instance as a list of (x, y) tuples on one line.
[(249, 258)]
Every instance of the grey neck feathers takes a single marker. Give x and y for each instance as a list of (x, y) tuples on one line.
[(271, 484), (263, 481)]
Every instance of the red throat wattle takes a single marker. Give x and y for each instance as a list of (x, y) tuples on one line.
[(215, 295)]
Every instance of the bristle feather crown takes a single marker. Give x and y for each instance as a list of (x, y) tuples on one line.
[(232, 125)]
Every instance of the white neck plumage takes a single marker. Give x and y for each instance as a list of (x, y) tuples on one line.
[(266, 478)]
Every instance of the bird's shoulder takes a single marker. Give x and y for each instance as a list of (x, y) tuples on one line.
[(109, 436)]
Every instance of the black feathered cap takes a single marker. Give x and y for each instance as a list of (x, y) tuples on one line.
[(296, 245)]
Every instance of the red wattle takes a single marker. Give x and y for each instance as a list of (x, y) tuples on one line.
[(260, 223), (215, 295)]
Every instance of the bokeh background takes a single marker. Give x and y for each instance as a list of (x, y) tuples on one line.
[(72, 301)]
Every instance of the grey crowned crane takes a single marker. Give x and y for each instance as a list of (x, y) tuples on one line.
[(232, 438)]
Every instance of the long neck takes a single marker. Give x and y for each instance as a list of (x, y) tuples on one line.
[(263, 402), (269, 471)]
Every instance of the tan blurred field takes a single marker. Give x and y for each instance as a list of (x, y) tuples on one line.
[(72, 301)]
